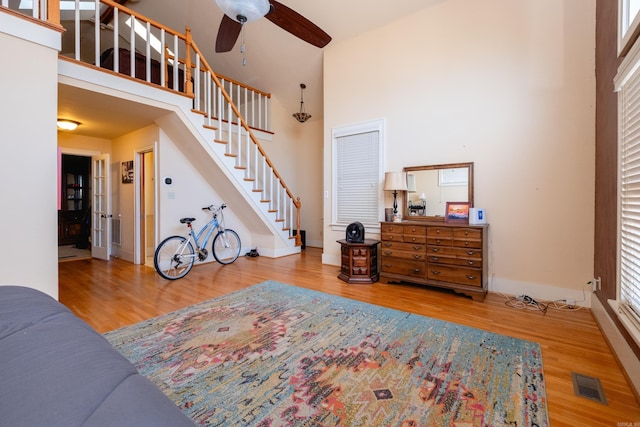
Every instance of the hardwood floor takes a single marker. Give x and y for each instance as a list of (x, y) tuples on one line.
[(109, 295)]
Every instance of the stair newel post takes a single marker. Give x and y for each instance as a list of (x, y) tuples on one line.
[(53, 12), (298, 237), (187, 71)]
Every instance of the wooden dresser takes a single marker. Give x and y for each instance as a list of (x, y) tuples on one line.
[(445, 255)]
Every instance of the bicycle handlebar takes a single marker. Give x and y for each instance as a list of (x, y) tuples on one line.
[(214, 208)]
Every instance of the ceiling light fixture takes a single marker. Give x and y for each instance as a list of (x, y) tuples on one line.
[(244, 10), (66, 124), (302, 116)]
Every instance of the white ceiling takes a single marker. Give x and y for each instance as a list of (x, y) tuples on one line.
[(276, 61)]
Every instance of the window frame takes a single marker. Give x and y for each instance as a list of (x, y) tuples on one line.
[(627, 25), (376, 125), (627, 81)]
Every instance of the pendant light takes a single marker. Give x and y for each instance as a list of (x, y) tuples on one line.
[(302, 116)]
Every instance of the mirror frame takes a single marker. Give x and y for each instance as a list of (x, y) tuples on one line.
[(405, 213)]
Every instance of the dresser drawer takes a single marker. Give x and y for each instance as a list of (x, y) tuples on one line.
[(410, 238), (436, 240), (463, 262), (404, 267), (451, 251), (411, 255), (466, 243), (411, 247), (414, 230), (439, 232), (391, 237), (461, 275), (467, 233), (391, 228)]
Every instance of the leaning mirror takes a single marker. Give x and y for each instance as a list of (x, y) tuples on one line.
[(431, 187)]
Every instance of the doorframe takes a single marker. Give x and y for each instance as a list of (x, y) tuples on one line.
[(138, 249), (83, 153)]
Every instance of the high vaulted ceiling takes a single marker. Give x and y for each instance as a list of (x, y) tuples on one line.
[(276, 61)]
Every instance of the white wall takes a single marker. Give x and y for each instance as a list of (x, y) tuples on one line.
[(296, 150), (507, 85), (28, 165)]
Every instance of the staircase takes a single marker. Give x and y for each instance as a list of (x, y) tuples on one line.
[(223, 114)]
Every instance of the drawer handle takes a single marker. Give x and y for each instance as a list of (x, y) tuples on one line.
[(471, 252), (466, 243), (438, 241), (388, 265), (437, 231), (417, 248), (435, 258), (435, 272), (417, 256), (388, 245), (388, 252), (413, 238), (466, 233), (416, 270), (470, 262), (435, 249), (470, 277)]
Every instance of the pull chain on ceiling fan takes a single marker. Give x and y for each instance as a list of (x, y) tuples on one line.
[(239, 12)]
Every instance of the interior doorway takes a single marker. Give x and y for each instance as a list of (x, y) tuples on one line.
[(146, 202), (74, 214)]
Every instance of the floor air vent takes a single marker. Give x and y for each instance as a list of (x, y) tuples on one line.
[(588, 387)]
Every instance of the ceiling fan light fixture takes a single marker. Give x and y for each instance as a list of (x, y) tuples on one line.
[(302, 116), (244, 10)]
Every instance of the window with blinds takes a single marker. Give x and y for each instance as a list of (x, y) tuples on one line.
[(357, 175), (628, 87)]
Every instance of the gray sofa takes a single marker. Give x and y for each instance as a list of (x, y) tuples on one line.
[(55, 370)]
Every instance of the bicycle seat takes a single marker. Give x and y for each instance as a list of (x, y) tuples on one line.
[(187, 220)]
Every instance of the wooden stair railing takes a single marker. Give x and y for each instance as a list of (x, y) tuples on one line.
[(204, 86)]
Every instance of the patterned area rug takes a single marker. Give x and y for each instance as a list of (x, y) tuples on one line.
[(278, 355)]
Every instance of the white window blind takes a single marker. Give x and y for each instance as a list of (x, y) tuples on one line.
[(357, 178), (628, 85)]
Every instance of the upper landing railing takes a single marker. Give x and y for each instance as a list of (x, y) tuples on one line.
[(156, 50), (105, 34)]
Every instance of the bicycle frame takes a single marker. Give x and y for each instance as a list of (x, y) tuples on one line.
[(211, 226)]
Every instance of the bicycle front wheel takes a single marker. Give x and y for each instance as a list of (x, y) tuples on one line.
[(174, 257), (226, 246)]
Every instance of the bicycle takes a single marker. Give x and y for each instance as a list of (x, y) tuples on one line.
[(175, 255)]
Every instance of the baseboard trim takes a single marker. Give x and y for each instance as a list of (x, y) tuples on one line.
[(622, 351)]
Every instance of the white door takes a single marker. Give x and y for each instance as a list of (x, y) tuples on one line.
[(101, 208)]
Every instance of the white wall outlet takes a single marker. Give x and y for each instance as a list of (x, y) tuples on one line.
[(595, 284)]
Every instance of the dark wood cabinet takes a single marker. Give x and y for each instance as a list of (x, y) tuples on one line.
[(359, 261), (452, 256), (74, 213)]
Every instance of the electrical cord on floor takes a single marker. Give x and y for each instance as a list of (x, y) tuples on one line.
[(525, 302)]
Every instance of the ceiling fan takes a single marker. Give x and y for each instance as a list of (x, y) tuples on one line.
[(239, 12)]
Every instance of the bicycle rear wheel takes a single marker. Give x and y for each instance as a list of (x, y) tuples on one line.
[(226, 246), (174, 257)]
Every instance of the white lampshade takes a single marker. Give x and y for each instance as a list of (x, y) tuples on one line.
[(395, 181), (249, 9)]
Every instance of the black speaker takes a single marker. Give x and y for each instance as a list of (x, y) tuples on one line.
[(355, 233)]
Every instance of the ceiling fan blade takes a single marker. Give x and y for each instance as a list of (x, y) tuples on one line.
[(291, 21), (227, 34)]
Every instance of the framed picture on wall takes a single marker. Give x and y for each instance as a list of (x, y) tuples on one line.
[(127, 172), (457, 212)]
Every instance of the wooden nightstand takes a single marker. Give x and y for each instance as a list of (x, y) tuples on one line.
[(359, 261)]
